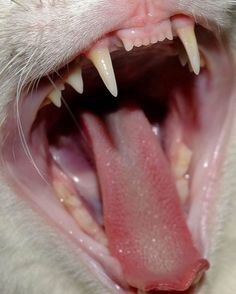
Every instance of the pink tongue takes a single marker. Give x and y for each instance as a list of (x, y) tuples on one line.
[(143, 218)]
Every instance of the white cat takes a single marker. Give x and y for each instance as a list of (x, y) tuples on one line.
[(38, 37)]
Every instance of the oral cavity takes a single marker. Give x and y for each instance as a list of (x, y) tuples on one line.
[(143, 190), (144, 221)]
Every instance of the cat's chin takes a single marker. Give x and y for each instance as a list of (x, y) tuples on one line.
[(54, 163)]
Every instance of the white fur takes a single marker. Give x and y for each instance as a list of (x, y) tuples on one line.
[(35, 258)]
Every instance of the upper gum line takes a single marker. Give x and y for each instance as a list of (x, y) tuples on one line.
[(99, 53), (144, 36)]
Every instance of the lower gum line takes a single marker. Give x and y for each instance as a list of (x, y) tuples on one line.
[(72, 202)]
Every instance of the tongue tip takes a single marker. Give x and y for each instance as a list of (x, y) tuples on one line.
[(190, 278)]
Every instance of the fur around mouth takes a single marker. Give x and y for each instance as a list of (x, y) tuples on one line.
[(94, 157)]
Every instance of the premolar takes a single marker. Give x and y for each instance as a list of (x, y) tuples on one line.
[(72, 202), (75, 80), (55, 95)]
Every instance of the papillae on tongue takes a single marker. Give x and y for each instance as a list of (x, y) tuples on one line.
[(143, 218)]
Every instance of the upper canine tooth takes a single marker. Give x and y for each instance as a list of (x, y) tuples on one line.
[(101, 59), (75, 80), (188, 38), (55, 95)]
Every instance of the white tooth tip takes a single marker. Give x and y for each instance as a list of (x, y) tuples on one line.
[(188, 38), (146, 41), (101, 59), (75, 80), (128, 44), (154, 39), (169, 35), (138, 43), (183, 58), (55, 96)]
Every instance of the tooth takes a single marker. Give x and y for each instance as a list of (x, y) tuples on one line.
[(138, 43), (45, 103), (146, 42), (101, 59), (169, 35), (75, 80), (188, 38), (154, 39), (71, 201), (183, 58), (161, 37), (55, 95), (190, 67), (182, 189), (182, 160), (128, 44)]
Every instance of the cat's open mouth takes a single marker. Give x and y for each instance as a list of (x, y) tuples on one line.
[(130, 178)]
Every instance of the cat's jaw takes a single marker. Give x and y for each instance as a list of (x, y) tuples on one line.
[(44, 63)]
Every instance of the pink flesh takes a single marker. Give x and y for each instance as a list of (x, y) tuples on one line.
[(143, 218)]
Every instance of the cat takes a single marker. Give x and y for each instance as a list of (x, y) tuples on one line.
[(36, 38)]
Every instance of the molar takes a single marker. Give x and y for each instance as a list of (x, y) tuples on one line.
[(71, 201), (75, 80), (182, 160)]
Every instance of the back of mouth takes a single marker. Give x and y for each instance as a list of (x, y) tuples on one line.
[(131, 178)]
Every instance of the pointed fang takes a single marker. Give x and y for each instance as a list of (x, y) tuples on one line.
[(101, 59), (188, 38)]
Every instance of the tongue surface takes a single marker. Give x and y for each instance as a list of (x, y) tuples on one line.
[(143, 219)]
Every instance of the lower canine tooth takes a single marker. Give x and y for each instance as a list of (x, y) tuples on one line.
[(101, 59), (75, 80)]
